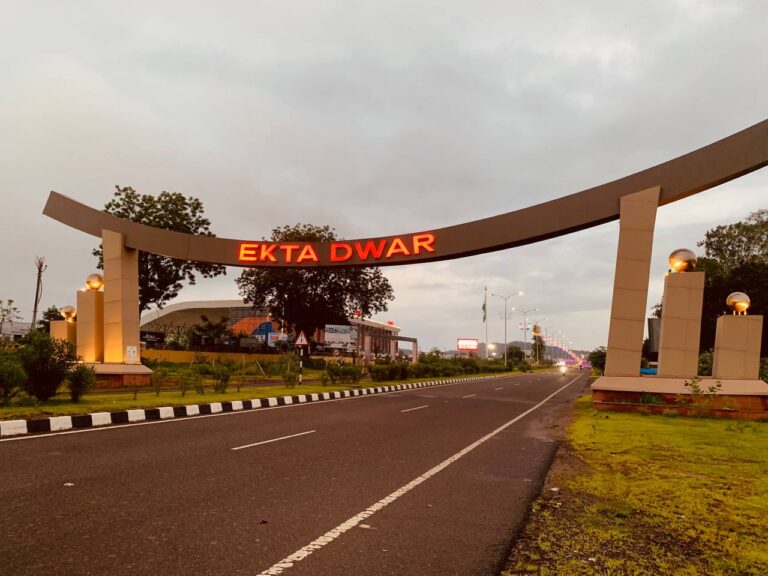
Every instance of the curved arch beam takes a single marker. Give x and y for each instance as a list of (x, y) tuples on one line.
[(692, 173)]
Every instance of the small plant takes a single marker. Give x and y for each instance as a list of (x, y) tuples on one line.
[(324, 378), (221, 376), (157, 378), (190, 379), (12, 377), (81, 379), (702, 398), (652, 399)]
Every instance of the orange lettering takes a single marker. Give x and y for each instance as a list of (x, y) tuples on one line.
[(248, 252), (288, 249), (307, 253), (266, 252), (336, 257), (424, 241), (397, 247), (370, 248)]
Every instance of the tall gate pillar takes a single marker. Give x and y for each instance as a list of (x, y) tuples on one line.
[(121, 300), (637, 221)]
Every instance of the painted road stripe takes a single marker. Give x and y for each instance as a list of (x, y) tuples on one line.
[(497, 389), (333, 534), (274, 440), (469, 396), (417, 408)]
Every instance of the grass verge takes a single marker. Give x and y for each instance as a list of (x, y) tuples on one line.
[(123, 399), (631, 494)]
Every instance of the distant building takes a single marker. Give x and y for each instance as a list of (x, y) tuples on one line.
[(15, 330)]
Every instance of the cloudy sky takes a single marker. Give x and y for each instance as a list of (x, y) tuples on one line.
[(376, 118)]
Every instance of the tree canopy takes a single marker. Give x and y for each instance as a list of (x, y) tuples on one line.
[(308, 299), (735, 260), (162, 278)]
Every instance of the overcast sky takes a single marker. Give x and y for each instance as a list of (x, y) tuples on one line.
[(376, 118)]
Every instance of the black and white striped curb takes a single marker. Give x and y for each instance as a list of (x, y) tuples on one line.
[(60, 423)]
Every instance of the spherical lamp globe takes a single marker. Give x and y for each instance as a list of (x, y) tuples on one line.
[(738, 302), (94, 282), (682, 260), (68, 313)]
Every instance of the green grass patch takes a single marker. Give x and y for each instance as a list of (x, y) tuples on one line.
[(651, 495)]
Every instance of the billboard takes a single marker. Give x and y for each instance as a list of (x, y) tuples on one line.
[(467, 344), (341, 337)]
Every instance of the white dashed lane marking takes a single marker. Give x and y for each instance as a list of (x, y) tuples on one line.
[(469, 396), (417, 408), (274, 440)]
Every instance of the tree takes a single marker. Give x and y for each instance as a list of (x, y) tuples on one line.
[(162, 278), (49, 314), (12, 377), (539, 347), (8, 314), (210, 334), (515, 354), (597, 358), (308, 299), (736, 245)]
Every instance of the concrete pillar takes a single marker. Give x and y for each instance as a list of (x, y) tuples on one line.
[(681, 324), (630, 284), (121, 300), (415, 353), (737, 348), (90, 326), (393, 349), (63, 330)]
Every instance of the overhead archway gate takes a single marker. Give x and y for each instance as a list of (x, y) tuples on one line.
[(633, 198)]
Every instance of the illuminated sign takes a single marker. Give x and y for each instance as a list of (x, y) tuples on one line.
[(307, 252), (467, 344)]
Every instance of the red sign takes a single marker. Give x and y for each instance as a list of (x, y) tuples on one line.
[(467, 344), (365, 250)]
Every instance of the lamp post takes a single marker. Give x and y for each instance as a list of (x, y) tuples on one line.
[(525, 325), (505, 298)]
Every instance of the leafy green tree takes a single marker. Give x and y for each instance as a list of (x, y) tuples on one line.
[(308, 299), (209, 334), (162, 278), (49, 314), (12, 377), (597, 358), (539, 348), (47, 362), (9, 313), (514, 354), (81, 379), (735, 245)]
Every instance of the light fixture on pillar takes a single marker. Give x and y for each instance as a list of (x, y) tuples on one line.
[(94, 282), (682, 260), (738, 302), (68, 313)]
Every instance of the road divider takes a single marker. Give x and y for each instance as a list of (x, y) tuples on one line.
[(22, 429)]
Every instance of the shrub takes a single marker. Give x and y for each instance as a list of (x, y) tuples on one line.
[(221, 375), (12, 377), (81, 379), (190, 379), (47, 362), (705, 363)]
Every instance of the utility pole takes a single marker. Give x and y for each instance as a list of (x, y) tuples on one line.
[(505, 298), (41, 267)]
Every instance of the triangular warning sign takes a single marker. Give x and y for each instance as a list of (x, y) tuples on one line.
[(301, 340)]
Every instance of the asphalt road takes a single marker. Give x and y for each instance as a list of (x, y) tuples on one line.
[(429, 481)]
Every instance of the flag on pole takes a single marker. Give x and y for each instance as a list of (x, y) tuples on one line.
[(485, 306)]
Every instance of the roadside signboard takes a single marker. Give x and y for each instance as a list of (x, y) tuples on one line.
[(301, 340), (467, 344), (341, 337)]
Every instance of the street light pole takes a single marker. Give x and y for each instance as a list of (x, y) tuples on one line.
[(505, 298), (525, 326)]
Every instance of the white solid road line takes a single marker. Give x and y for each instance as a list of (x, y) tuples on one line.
[(331, 535), (469, 395), (274, 440), (417, 408)]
